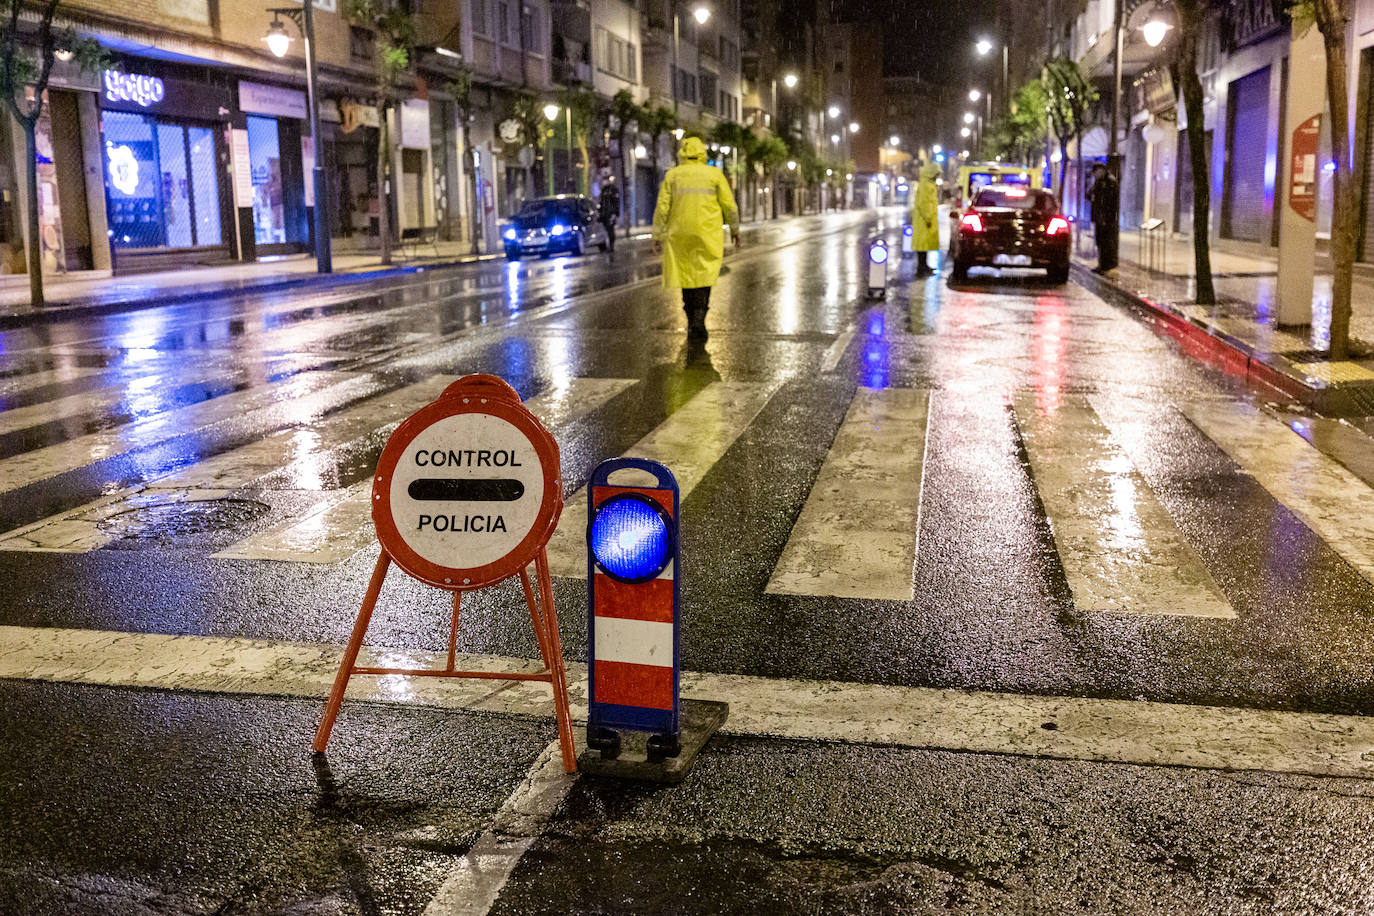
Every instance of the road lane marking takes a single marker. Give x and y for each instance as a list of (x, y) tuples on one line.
[(291, 453), (471, 887), (1121, 550), (303, 396), (341, 525), (1325, 496), (856, 535), (27, 382), (1068, 728), (690, 441), (837, 350)]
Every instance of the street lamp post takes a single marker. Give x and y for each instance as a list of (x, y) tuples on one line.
[(305, 22)]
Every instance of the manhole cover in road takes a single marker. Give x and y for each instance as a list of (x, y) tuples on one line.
[(183, 520)]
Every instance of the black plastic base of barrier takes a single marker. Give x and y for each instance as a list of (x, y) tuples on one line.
[(699, 719)]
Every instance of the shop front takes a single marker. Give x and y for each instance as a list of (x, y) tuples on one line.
[(280, 159), (166, 170)]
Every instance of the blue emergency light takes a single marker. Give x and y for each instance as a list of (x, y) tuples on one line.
[(631, 538), (877, 252)]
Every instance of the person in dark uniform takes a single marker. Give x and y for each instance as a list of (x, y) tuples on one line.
[(1104, 198), (608, 212)]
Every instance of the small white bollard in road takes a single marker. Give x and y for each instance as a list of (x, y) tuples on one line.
[(877, 269)]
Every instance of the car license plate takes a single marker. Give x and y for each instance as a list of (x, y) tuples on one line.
[(1012, 260)]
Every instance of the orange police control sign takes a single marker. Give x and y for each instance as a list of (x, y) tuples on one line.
[(467, 493)]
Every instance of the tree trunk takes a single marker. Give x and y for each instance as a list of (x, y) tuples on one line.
[(1198, 153), (625, 203), (35, 231), (1063, 167), (1331, 19), (383, 185)]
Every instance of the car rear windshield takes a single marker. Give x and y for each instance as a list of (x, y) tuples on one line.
[(548, 209), (1014, 199)]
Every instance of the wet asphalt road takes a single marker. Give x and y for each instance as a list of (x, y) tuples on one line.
[(116, 800)]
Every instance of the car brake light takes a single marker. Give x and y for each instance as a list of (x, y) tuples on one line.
[(971, 222), (1056, 225)]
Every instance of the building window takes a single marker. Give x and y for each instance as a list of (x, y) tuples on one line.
[(615, 56), (481, 25), (708, 92), (534, 39), (362, 44), (686, 86)]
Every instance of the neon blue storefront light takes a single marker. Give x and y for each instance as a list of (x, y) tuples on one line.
[(630, 538)]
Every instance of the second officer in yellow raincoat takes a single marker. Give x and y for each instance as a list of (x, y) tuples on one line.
[(925, 219), (694, 204)]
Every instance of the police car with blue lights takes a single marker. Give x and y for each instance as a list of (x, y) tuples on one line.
[(550, 225)]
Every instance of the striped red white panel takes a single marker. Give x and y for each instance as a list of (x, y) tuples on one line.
[(634, 642)]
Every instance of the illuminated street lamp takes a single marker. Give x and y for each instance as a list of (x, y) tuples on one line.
[(853, 127), (974, 95), (1154, 31), (551, 111), (791, 165), (834, 111), (835, 139), (968, 117), (964, 132), (790, 81), (702, 15), (983, 46), (278, 42), (937, 148)]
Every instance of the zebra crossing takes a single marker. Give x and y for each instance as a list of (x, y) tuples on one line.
[(856, 532)]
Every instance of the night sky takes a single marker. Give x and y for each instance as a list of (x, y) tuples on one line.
[(927, 38)]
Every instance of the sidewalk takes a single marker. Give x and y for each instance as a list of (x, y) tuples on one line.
[(96, 292), (1240, 332)]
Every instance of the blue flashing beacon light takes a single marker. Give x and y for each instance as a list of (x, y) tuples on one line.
[(631, 538), (877, 269), (907, 251)]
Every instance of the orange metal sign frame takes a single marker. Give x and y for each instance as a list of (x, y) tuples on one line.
[(473, 394)]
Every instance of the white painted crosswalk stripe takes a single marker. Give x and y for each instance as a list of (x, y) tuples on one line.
[(857, 534), (85, 528), (690, 441), (1120, 731), (1121, 551), (341, 524), (305, 395), (42, 378), (1328, 498)]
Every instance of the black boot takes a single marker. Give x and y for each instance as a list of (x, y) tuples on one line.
[(696, 324)]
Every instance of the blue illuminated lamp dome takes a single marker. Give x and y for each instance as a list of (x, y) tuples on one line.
[(631, 538), (877, 252)]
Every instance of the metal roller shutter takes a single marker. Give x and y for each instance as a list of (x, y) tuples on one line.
[(1367, 236), (1247, 138)]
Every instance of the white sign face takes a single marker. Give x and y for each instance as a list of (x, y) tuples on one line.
[(415, 124), (257, 98), (243, 172), (466, 491)]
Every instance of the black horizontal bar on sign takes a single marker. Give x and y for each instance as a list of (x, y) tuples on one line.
[(491, 490)]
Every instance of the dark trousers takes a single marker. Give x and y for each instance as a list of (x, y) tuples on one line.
[(610, 236), (696, 301), (1108, 235)]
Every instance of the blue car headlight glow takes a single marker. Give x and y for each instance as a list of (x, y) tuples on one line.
[(631, 538), (877, 253), (558, 229), (510, 234)]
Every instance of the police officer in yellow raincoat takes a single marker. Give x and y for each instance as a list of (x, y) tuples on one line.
[(694, 204), (925, 219)]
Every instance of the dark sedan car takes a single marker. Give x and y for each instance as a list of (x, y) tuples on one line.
[(1012, 226), (549, 225)]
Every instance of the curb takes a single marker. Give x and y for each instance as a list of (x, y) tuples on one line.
[(77, 308), (1233, 356)]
